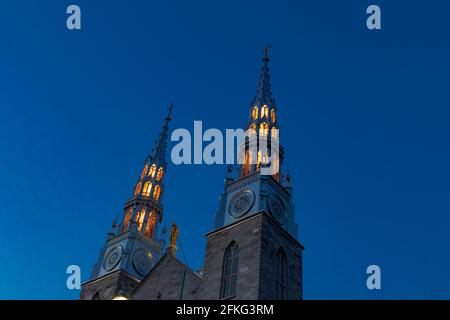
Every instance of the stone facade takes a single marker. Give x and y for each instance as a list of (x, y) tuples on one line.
[(273, 237), (133, 246), (255, 231), (247, 234), (165, 280), (259, 237), (109, 286)]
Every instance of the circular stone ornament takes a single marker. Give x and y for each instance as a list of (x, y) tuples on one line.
[(277, 209), (112, 258), (142, 261), (241, 203)]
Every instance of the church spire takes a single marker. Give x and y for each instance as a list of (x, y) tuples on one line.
[(258, 185), (149, 189), (133, 247), (159, 152), (264, 91), (263, 118), (263, 108)]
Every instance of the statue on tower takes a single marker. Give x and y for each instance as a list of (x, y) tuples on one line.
[(173, 240)]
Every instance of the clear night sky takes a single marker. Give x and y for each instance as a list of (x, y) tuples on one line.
[(364, 118)]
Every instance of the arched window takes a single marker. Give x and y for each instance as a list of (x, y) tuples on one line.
[(157, 192), (230, 271), (150, 224), (255, 113), (273, 115), (247, 166), (281, 276), (265, 157), (264, 128), (160, 173), (152, 171), (274, 133), (137, 188), (253, 126), (127, 218), (144, 171), (140, 218), (258, 162), (147, 189), (264, 111)]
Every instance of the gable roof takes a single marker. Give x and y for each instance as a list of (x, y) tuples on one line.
[(167, 259)]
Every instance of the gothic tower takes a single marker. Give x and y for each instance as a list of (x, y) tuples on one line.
[(132, 247), (253, 251)]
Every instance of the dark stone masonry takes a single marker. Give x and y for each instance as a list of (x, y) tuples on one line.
[(252, 251)]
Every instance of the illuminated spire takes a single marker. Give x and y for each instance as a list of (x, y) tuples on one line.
[(135, 238), (262, 119), (145, 207), (263, 110), (259, 170)]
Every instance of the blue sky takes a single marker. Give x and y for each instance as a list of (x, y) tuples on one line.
[(363, 118)]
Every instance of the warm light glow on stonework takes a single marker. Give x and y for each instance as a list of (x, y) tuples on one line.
[(140, 218), (137, 188), (246, 167), (157, 192), (127, 218), (264, 111), (150, 224), (144, 171), (160, 173), (274, 133), (258, 164), (152, 171), (147, 189), (255, 113), (264, 128)]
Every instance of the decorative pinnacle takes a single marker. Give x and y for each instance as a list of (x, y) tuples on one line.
[(169, 114), (159, 152), (264, 91), (266, 52)]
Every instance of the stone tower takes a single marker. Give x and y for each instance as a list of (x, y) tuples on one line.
[(253, 251), (132, 246)]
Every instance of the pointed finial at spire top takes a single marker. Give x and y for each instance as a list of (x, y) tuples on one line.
[(266, 52), (264, 91), (159, 151), (169, 114)]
